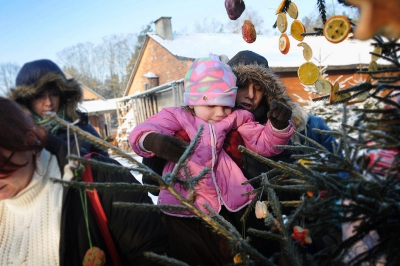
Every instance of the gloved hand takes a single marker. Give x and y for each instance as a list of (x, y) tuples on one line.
[(279, 115), (167, 147)]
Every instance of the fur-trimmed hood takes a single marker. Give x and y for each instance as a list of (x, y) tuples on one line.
[(70, 90), (274, 89)]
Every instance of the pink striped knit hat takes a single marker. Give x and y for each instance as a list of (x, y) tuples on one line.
[(210, 82)]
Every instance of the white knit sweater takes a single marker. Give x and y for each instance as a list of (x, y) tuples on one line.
[(30, 221)]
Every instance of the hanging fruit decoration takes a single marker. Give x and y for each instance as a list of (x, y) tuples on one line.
[(281, 22), (248, 32), (261, 210), (337, 28), (234, 8), (280, 7), (94, 256), (308, 73), (323, 85), (284, 43), (296, 29), (293, 11), (307, 51), (333, 96), (301, 235)]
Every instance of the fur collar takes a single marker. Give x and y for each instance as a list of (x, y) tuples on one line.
[(274, 90), (71, 92)]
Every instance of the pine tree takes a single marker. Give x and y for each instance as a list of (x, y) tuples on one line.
[(356, 187)]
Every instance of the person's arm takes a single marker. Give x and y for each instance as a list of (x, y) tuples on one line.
[(262, 139)]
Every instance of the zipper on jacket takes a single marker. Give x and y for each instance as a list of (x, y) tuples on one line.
[(213, 161)]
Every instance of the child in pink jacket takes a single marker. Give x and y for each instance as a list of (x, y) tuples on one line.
[(210, 93)]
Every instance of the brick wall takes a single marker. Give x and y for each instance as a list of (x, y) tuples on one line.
[(161, 62)]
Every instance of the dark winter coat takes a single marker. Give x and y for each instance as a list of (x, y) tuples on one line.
[(30, 82), (133, 232)]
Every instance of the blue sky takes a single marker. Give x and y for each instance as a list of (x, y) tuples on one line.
[(35, 29)]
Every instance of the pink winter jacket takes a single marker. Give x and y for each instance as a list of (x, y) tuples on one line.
[(223, 183)]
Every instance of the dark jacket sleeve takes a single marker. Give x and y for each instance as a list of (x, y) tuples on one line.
[(88, 146), (325, 140), (134, 232)]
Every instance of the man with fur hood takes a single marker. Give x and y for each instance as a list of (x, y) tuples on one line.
[(42, 87)]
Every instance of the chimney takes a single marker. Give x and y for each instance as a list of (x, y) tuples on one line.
[(164, 28), (153, 80)]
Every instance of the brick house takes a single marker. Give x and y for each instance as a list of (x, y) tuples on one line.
[(156, 80)]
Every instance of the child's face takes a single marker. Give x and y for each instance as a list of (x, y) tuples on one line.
[(211, 113)]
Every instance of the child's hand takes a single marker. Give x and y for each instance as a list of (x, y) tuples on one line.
[(164, 146), (279, 115)]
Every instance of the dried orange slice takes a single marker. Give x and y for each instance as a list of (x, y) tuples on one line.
[(308, 73), (296, 29), (373, 66), (334, 89), (343, 96), (281, 22), (359, 98), (293, 11), (280, 7), (337, 28), (307, 51), (323, 85), (377, 50), (284, 43)]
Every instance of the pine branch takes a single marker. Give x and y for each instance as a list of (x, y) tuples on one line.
[(150, 207), (94, 140), (164, 260), (265, 234), (278, 165), (112, 187), (322, 10)]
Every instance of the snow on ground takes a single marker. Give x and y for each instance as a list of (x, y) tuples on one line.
[(137, 175)]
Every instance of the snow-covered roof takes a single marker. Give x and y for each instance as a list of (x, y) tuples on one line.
[(99, 106), (348, 52)]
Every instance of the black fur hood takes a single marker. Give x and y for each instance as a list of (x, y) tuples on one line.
[(274, 89), (34, 75)]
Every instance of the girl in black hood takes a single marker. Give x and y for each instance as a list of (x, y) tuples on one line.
[(42, 87)]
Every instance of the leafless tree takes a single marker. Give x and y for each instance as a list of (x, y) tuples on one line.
[(206, 26), (235, 26), (8, 72), (93, 65)]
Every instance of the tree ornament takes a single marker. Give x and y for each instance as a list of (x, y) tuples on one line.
[(248, 31), (234, 8), (261, 210), (238, 258), (377, 17), (94, 256), (73, 170), (308, 73), (284, 43), (307, 51), (301, 235), (337, 28)]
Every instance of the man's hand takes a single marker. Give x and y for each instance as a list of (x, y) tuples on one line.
[(279, 115), (167, 147)]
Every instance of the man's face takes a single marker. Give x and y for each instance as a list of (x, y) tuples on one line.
[(47, 101), (249, 96)]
